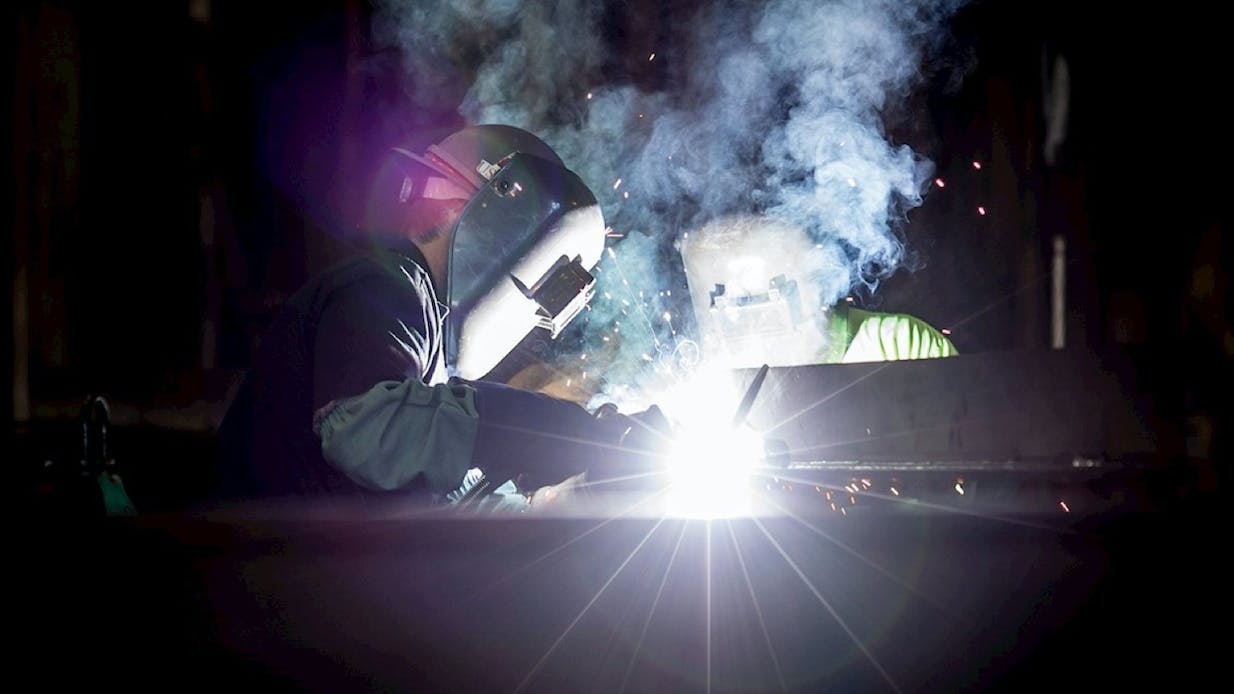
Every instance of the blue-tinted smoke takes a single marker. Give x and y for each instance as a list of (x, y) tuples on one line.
[(774, 108)]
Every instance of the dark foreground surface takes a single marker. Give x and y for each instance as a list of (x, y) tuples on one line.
[(881, 599)]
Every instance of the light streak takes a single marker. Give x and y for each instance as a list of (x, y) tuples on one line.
[(652, 611), (1063, 504), (839, 620), (506, 578), (981, 210), (745, 573), (977, 165), (708, 552), (587, 607), (651, 57), (617, 184), (945, 331), (940, 183)]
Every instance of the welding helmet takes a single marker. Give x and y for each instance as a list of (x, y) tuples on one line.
[(522, 248), (761, 289)]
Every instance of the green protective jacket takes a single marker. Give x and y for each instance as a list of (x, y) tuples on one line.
[(865, 336)]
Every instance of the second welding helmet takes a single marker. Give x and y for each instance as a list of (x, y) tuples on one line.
[(761, 288), (523, 247)]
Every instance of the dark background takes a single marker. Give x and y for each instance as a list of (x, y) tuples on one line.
[(179, 168)]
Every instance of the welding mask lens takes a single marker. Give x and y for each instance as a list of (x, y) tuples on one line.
[(523, 234)]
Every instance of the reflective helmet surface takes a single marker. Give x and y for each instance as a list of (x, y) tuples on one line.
[(521, 249)]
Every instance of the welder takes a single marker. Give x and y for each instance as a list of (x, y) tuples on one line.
[(764, 291), (370, 380)]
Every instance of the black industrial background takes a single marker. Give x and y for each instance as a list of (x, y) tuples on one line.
[(179, 168)]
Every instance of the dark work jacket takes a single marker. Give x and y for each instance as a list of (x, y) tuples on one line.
[(370, 318)]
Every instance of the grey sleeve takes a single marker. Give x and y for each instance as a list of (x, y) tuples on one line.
[(397, 430)]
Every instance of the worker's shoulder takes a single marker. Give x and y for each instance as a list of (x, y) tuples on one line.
[(375, 269), (900, 335)]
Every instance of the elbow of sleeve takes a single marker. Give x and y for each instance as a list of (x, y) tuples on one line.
[(396, 432)]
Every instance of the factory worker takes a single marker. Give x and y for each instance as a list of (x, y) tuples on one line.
[(370, 380), (762, 293)]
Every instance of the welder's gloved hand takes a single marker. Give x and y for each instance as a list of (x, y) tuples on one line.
[(645, 436), (538, 440)]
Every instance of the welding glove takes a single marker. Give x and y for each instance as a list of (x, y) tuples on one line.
[(539, 440)]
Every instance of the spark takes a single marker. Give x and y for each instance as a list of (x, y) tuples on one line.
[(981, 210), (588, 96), (894, 491), (959, 488), (843, 625), (646, 357), (651, 57), (626, 195), (643, 314), (977, 165), (617, 184), (859, 556), (940, 183), (1063, 504), (843, 511), (605, 339), (852, 183), (583, 356), (946, 331)]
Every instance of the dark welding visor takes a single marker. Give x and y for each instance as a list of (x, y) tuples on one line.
[(519, 259)]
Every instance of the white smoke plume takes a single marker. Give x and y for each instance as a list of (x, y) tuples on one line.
[(776, 108)]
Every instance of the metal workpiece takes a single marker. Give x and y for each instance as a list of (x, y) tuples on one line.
[(991, 411)]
